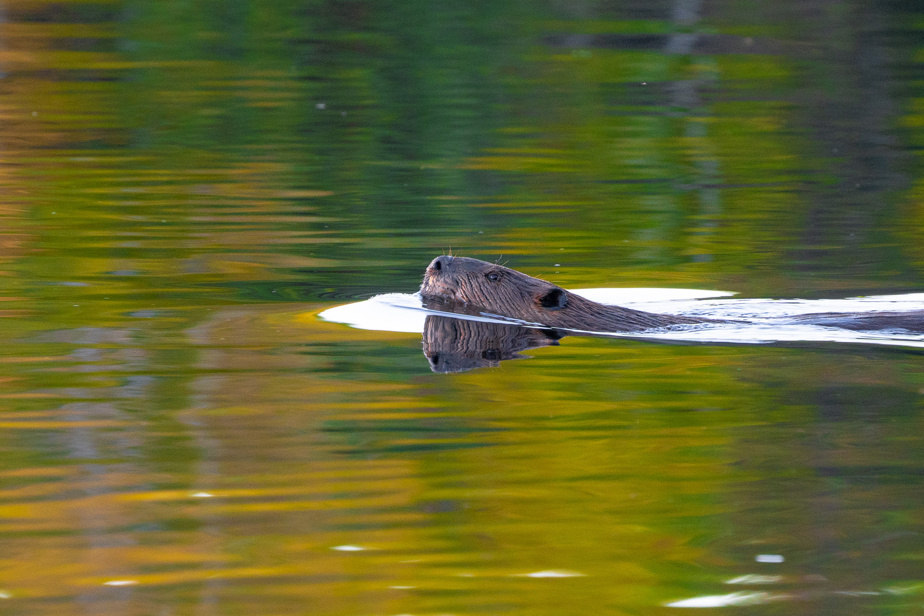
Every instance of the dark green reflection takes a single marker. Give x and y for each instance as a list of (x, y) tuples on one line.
[(183, 185)]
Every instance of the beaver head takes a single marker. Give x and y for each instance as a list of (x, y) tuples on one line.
[(492, 288)]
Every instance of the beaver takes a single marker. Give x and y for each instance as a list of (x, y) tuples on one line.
[(472, 286), (462, 284)]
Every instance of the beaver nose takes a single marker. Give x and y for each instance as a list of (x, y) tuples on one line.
[(438, 264)]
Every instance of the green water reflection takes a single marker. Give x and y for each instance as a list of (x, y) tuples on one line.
[(183, 186)]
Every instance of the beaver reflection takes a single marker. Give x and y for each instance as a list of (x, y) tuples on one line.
[(457, 345)]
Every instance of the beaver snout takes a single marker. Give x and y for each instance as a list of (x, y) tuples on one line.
[(440, 279), (438, 265)]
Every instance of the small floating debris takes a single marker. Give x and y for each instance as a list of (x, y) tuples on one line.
[(735, 598), (754, 578), (402, 587), (857, 593), (349, 548), (201, 495), (5, 594), (120, 583), (769, 558), (904, 590), (551, 573)]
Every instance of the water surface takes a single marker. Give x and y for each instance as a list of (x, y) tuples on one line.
[(184, 187)]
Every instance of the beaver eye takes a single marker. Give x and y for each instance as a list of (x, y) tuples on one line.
[(492, 276)]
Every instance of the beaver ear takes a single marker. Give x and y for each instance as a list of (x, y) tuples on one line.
[(554, 299)]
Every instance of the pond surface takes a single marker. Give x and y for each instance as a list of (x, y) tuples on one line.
[(184, 187)]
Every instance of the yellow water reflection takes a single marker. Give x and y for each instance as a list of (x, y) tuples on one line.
[(183, 187)]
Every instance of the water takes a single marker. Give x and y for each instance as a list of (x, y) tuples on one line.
[(184, 188)]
